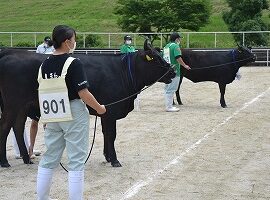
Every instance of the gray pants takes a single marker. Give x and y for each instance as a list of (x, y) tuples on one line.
[(72, 135)]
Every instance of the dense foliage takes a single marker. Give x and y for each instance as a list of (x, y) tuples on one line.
[(246, 15), (162, 15)]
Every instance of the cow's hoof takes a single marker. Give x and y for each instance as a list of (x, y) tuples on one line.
[(116, 164), (224, 106), (108, 159), (6, 165), (27, 161)]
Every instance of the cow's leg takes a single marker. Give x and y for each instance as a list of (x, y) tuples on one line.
[(109, 133), (222, 88), (177, 93), (5, 126), (19, 132)]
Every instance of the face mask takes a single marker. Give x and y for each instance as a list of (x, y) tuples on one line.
[(128, 41), (71, 50)]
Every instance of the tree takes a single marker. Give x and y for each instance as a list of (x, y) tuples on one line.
[(246, 15), (162, 15)]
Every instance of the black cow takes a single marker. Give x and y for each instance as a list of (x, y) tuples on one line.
[(111, 78), (218, 66)]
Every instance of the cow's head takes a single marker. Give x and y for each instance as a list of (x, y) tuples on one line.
[(153, 67), (244, 55)]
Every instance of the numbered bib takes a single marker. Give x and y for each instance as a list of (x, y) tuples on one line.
[(53, 97), (55, 107), (166, 55)]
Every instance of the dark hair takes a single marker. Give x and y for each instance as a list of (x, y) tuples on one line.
[(127, 37), (50, 43), (47, 38), (60, 34), (174, 36)]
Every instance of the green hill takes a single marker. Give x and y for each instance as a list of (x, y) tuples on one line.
[(83, 15)]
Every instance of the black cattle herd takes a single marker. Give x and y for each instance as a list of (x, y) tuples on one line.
[(111, 77)]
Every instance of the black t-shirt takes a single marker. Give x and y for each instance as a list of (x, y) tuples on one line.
[(75, 79)]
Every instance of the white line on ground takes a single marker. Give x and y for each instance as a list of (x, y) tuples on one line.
[(132, 191)]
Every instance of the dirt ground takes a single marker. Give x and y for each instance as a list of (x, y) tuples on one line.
[(201, 152)]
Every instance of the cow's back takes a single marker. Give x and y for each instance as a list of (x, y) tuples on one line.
[(209, 66), (108, 82), (106, 74)]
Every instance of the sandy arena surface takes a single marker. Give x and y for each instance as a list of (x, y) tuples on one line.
[(201, 152)]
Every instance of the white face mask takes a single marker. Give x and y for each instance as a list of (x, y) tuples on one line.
[(128, 41), (71, 50)]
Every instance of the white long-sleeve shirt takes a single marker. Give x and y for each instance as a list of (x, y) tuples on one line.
[(44, 49)]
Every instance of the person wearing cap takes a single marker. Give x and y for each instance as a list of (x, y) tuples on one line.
[(46, 47), (173, 55), (127, 47)]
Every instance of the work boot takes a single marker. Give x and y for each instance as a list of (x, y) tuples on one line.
[(76, 184), (172, 109), (169, 103)]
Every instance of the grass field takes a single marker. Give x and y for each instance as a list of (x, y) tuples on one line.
[(89, 16)]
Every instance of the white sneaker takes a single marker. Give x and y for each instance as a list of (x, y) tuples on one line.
[(36, 152), (172, 109)]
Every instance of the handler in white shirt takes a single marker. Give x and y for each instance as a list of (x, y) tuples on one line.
[(46, 47)]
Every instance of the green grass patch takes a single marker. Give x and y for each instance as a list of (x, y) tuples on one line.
[(93, 16)]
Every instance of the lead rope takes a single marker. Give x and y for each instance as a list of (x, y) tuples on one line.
[(128, 97), (93, 141), (214, 66), (110, 104)]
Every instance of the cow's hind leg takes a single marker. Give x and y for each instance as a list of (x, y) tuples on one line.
[(109, 133), (222, 88), (177, 93), (19, 132), (5, 126)]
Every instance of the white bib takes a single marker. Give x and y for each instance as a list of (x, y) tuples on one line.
[(53, 96), (166, 55)]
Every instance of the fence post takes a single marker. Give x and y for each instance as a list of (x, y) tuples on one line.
[(134, 37), (84, 40), (35, 37), (187, 40), (11, 40), (215, 40), (109, 40), (161, 42), (243, 39)]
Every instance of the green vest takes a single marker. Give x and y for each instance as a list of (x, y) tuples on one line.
[(125, 48), (170, 51)]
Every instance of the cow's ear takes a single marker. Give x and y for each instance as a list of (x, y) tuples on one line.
[(147, 45), (148, 58)]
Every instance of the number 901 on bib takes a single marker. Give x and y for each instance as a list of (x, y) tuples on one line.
[(54, 107)]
